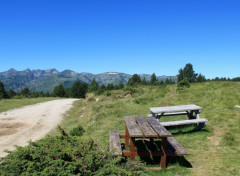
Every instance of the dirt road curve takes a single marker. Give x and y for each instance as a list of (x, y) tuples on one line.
[(18, 126)]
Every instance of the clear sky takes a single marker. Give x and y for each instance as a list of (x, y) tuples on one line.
[(130, 36)]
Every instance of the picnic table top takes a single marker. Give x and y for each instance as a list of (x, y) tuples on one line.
[(150, 127), (174, 108)]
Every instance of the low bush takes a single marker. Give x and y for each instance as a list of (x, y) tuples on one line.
[(130, 89), (77, 131), (184, 83), (64, 155)]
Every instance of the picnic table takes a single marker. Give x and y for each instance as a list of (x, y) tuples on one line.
[(191, 110), (145, 128)]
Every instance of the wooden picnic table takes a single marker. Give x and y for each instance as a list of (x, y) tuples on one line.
[(145, 128), (192, 111)]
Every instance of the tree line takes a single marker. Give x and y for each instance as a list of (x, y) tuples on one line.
[(79, 89)]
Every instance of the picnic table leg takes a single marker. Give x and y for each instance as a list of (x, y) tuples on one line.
[(164, 149), (126, 137), (132, 147)]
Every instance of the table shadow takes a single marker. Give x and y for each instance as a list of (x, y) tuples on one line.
[(143, 145)]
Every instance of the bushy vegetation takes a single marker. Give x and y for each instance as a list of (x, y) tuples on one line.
[(183, 83), (64, 155)]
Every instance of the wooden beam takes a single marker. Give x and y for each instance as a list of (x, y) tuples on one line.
[(179, 150), (175, 108), (115, 144), (183, 122)]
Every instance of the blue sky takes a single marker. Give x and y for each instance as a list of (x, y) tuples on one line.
[(130, 36)]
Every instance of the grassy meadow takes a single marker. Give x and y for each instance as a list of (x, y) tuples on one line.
[(7, 104), (213, 151)]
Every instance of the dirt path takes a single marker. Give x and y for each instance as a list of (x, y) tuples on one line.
[(18, 126)]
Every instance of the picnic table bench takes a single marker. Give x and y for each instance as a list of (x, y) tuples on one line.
[(145, 128), (192, 111)]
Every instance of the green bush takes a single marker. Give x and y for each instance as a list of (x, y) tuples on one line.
[(130, 89), (184, 83), (64, 155), (78, 131)]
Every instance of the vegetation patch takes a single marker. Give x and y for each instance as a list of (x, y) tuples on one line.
[(65, 155)]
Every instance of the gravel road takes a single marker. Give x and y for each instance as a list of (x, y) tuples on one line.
[(18, 126)]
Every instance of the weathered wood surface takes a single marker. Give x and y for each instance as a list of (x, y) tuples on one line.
[(174, 113), (183, 122), (132, 127), (175, 108), (115, 144), (146, 128), (158, 128), (179, 150)]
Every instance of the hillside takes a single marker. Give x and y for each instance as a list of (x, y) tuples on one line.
[(213, 151), (46, 80)]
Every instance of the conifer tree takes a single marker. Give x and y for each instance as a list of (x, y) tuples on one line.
[(153, 80), (134, 80), (187, 73), (11, 93), (121, 85), (26, 91), (93, 87), (3, 93), (59, 91), (79, 90)]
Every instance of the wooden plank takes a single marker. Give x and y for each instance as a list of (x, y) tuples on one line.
[(174, 113), (158, 128), (175, 108), (115, 144), (179, 150), (146, 128), (132, 127), (183, 122)]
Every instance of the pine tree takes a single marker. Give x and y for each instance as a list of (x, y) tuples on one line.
[(110, 86), (79, 90), (93, 87), (26, 91), (134, 80), (144, 81), (59, 91), (3, 93), (200, 78), (153, 80), (11, 93), (187, 73), (121, 85)]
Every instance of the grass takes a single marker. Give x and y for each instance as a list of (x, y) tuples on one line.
[(213, 151), (7, 104)]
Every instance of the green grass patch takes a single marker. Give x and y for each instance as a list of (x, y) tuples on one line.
[(7, 104), (213, 151)]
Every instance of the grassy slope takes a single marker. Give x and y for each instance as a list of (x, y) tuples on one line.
[(214, 151), (8, 104)]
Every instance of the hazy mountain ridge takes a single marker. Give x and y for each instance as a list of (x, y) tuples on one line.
[(46, 80)]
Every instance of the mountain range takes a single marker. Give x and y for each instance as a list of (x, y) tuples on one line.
[(46, 80)]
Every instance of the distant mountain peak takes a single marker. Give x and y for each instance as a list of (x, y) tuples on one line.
[(12, 70)]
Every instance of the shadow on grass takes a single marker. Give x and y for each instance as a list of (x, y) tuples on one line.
[(179, 130), (153, 161)]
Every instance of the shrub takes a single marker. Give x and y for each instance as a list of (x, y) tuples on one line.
[(64, 155), (130, 89), (78, 131), (184, 83)]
